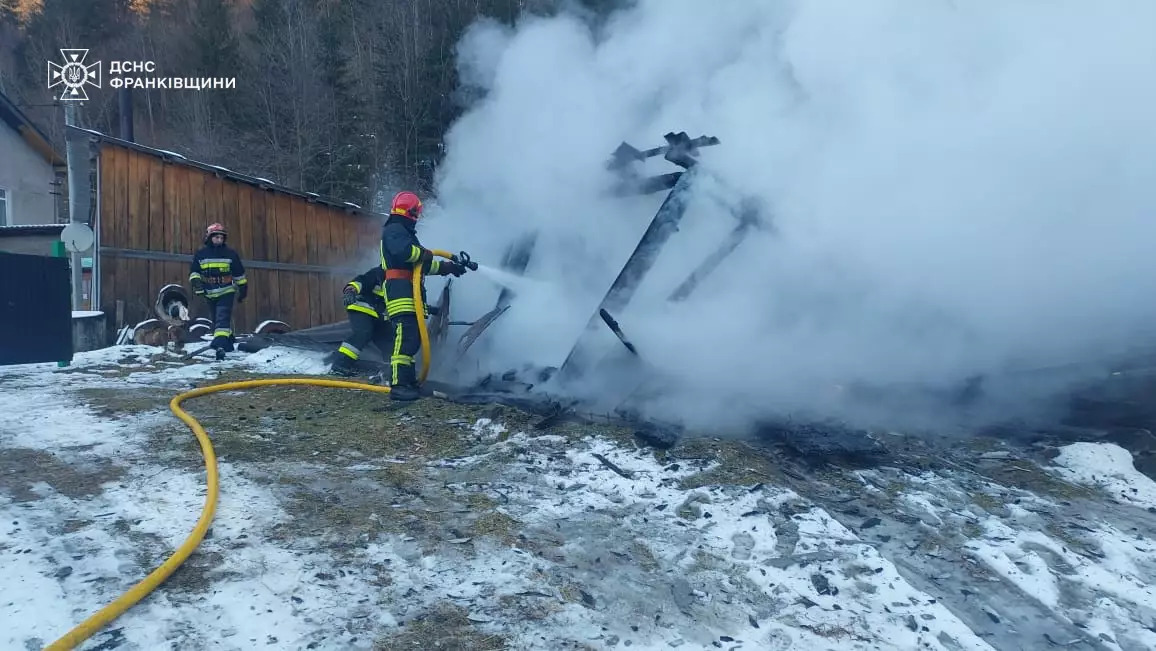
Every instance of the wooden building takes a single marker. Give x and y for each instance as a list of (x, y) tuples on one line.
[(151, 208)]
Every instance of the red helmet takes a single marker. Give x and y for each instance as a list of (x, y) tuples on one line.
[(215, 228), (406, 204)]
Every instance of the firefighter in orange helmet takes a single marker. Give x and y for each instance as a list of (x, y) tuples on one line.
[(401, 252)]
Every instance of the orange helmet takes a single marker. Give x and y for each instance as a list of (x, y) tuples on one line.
[(406, 204), (215, 228)]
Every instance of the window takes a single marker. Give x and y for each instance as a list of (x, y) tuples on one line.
[(3, 207)]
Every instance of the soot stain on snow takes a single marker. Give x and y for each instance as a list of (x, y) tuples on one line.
[(21, 469)]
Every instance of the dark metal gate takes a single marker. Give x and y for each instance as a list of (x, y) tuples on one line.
[(35, 309)]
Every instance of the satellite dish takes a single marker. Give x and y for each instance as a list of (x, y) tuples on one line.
[(77, 237)]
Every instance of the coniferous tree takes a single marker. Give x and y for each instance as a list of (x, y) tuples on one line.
[(213, 43), (350, 156), (333, 96), (8, 12)]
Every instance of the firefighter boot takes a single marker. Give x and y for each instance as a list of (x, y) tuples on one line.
[(405, 389), (404, 392), (343, 366)]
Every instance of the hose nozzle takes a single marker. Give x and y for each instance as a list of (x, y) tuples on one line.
[(463, 259)]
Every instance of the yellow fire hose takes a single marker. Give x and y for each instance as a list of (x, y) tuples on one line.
[(104, 616)]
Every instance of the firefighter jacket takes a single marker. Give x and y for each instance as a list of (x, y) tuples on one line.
[(370, 288), (219, 270), (400, 251)]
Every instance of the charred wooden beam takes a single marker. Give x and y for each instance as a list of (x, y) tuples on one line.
[(680, 150), (749, 219), (662, 227), (631, 185), (617, 330)]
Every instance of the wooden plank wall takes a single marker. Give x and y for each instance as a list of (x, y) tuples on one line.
[(160, 209)]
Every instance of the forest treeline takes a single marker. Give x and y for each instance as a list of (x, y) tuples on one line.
[(346, 98)]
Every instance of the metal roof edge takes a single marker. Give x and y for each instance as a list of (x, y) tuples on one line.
[(264, 184), (31, 229)]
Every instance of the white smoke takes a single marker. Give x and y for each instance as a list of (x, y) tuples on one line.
[(956, 188)]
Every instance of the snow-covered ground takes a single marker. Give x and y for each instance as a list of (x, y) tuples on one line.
[(608, 549)]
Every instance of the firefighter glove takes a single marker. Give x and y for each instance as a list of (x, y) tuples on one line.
[(348, 295), (198, 286), (242, 293), (449, 267)]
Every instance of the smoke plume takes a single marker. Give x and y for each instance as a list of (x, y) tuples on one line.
[(955, 189)]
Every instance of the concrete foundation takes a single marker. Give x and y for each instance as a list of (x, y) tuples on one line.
[(88, 331)]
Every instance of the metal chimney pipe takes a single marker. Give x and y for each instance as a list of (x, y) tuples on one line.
[(72, 161)]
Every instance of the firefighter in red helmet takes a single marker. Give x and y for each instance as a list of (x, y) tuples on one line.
[(401, 252), (217, 275)]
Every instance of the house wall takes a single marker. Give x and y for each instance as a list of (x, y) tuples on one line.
[(152, 217), (27, 179), (35, 244)]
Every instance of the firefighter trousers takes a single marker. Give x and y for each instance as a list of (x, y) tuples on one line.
[(367, 329), (406, 343), (222, 310)]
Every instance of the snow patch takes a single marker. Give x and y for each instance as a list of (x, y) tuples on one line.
[(720, 551), (1048, 570), (252, 588), (1109, 467), (66, 556), (287, 361), (487, 430)]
